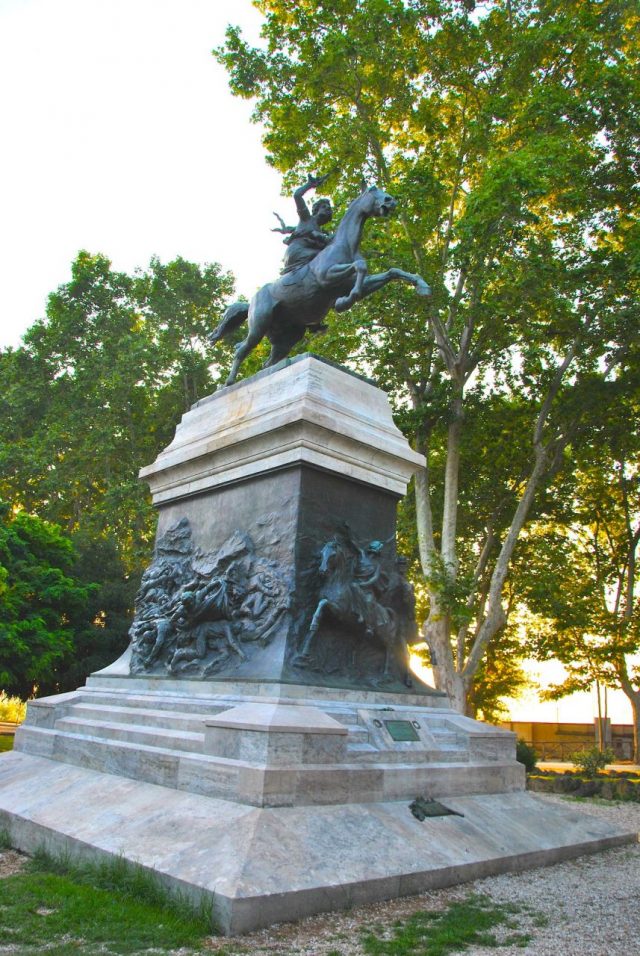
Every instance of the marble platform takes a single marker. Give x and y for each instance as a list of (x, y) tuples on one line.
[(260, 865), (270, 777), (272, 745), (273, 802)]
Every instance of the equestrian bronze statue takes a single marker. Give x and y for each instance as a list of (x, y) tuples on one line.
[(334, 277)]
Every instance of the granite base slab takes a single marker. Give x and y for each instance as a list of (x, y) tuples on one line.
[(257, 866)]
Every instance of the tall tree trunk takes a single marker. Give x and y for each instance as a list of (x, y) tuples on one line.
[(635, 707), (446, 676), (451, 480), (634, 699)]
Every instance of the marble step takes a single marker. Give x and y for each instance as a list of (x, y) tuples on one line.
[(161, 711), (179, 740), (198, 773), (201, 708), (345, 714), (149, 709), (367, 753), (184, 705), (204, 706), (170, 720), (226, 778)]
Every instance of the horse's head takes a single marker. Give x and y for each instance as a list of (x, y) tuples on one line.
[(377, 202), (330, 557)]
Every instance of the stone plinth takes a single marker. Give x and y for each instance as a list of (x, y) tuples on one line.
[(241, 762), (262, 477), (304, 411)]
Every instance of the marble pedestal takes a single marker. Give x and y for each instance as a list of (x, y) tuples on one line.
[(269, 787), (269, 472)]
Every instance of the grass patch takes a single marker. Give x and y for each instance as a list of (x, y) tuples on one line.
[(119, 876), (591, 801), (5, 839), (437, 933), (111, 908), (6, 743)]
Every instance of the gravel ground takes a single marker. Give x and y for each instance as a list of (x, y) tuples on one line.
[(591, 907), (586, 907)]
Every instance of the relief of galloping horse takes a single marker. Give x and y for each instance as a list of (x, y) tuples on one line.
[(335, 278), (343, 599)]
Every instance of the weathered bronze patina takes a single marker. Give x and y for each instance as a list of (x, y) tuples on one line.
[(321, 273)]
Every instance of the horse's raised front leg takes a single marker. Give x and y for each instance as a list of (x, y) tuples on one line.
[(372, 284), (346, 301)]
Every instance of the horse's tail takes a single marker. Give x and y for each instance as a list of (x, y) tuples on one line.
[(233, 318)]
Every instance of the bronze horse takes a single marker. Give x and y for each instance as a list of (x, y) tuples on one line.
[(335, 278), (343, 599)]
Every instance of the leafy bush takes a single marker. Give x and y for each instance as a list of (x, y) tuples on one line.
[(12, 709), (526, 754), (592, 760), (613, 786)]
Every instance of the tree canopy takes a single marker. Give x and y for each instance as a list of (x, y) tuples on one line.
[(97, 388), (582, 573), (509, 134), (93, 393), (42, 603)]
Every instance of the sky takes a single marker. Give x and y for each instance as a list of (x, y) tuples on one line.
[(581, 707), (120, 136)]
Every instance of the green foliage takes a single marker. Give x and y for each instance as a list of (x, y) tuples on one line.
[(500, 676), (437, 932), (92, 395), (102, 635), (96, 389), (592, 760), (12, 709), (526, 754), (509, 134), (597, 788), (42, 603), (580, 573)]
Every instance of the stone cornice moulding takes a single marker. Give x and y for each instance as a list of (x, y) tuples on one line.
[(305, 412)]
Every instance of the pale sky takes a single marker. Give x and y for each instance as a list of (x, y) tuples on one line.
[(119, 135), (581, 707)]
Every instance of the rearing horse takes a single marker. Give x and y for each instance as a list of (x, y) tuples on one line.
[(343, 599), (335, 278)]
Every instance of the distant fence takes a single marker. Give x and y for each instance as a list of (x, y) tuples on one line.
[(563, 751), (559, 741)]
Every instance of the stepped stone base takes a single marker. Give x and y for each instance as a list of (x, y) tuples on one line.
[(256, 789), (257, 866), (271, 744), (273, 802)]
